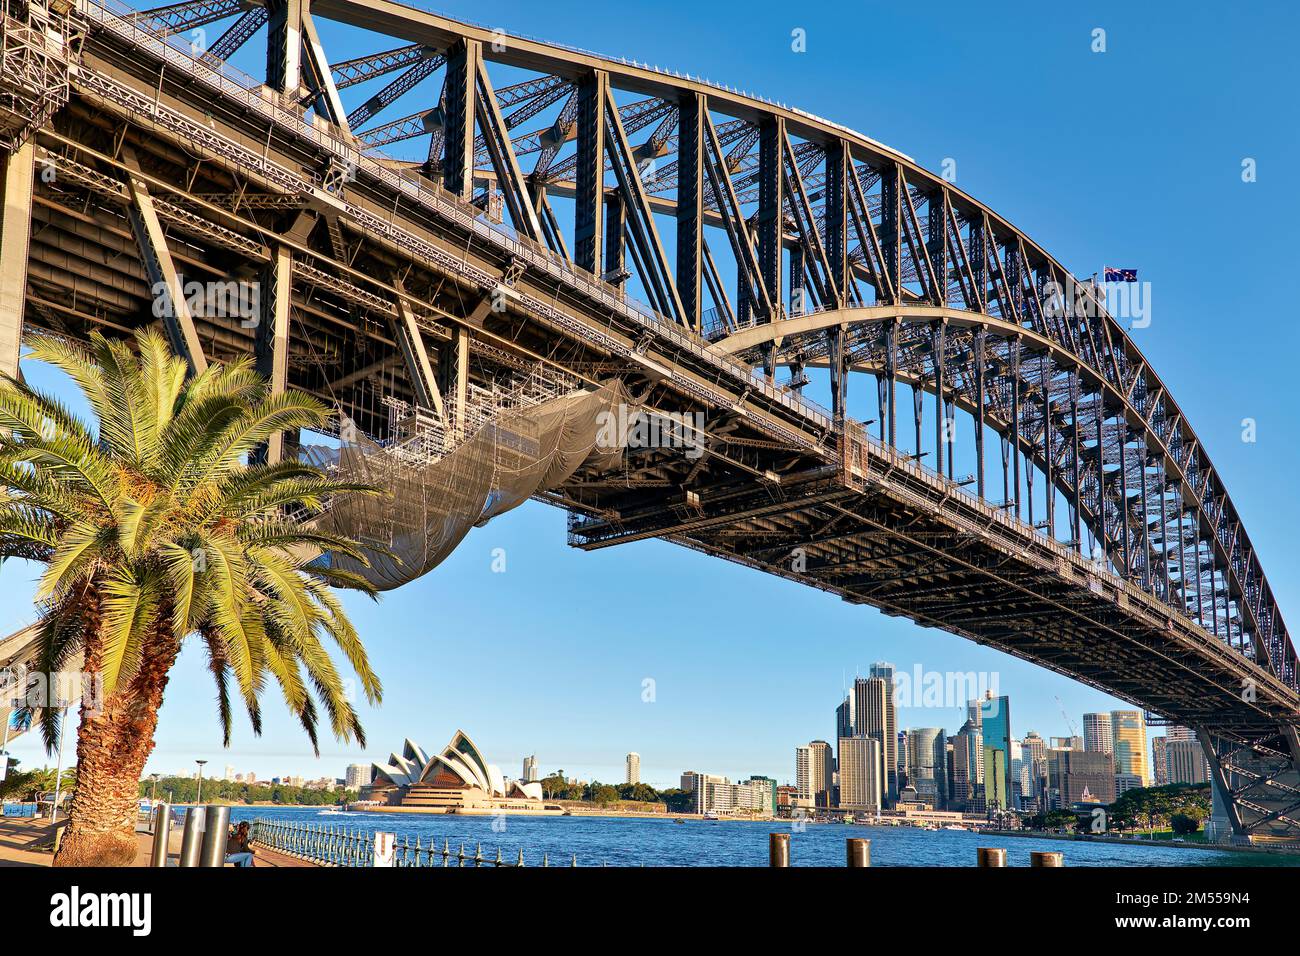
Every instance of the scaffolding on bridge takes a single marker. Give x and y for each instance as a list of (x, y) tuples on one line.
[(38, 43), (442, 477)]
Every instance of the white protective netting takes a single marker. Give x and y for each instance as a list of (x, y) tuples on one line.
[(519, 444)]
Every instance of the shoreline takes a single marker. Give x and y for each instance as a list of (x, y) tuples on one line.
[(1131, 841)]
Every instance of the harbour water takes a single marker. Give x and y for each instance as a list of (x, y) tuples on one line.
[(637, 841)]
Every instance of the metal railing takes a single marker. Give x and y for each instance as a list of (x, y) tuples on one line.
[(328, 845)]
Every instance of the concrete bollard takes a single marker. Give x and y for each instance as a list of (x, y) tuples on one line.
[(215, 827), (162, 832), (859, 851), (1046, 858), (992, 856), (192, 836), (778, 849)]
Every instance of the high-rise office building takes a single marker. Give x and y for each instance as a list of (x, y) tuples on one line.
[(357, 775), (860, 774), (1065, 743), (995, 723), (1160, 761), (1035, 755), (844, 723), (1178, 732), (1185, 762), (815, 772), (926, 769), (873, 714), (823, 756), (1080, 776), (1130, 737), (967, 766), (1098, 736), (530, 769), (633, 768), (884, 671), (803, 772)]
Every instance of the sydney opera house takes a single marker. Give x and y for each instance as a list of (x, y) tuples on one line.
[(456, 780)]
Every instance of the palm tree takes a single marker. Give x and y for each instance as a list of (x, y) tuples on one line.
[(153, 529)]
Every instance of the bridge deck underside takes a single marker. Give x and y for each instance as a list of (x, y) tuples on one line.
[(902, 554)]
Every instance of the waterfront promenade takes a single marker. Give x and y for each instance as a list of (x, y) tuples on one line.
[(27, 842)]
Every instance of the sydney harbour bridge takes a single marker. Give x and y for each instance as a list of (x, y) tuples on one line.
[(463, 209)]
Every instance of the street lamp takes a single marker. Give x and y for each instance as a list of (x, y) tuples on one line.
[(153, 789), (199, 799)]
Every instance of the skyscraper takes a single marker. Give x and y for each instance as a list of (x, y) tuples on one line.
[(1035, 755), (1098, 735), (823, 760), (926, 770), (1079, 776), (1130, 735), (815, 771), (357, 776), (995, 722), (967, 766), (633, 768), (530, 769), (1160, 760), (844, 723), (885, 672), (1185, 762), (860, 773), (873, 710)]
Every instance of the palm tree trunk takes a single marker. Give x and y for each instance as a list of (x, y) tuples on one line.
[(113, 744)]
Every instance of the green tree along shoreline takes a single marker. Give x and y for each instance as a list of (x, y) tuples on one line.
[(1179, 807), (186, 790), (556, 786)]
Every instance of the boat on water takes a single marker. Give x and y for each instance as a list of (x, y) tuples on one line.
[(711, 817), (957, 826)]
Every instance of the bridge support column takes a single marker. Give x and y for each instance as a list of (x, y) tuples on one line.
[(1015, 419), (771, 211), (839, 373), (690, 205), (980, 392), (589, 177), (836, 220), (615, 240), (458, 142), (18, 178), (272, 342), (169, 294), (1049, 484), (938, 344), (462, 383), (284, 46), (418, 366)]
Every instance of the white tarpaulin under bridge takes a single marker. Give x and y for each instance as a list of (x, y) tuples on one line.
[(438, 486)]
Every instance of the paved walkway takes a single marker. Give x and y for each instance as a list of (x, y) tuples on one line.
[(25, 841)]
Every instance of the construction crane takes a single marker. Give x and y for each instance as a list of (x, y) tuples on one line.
[(1074, 732)]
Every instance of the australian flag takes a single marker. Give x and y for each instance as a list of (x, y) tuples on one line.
[(1121, 275)]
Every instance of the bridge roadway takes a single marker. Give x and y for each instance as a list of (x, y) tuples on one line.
[(382, 280)]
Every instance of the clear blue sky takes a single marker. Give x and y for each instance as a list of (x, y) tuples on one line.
[(1128, 158)]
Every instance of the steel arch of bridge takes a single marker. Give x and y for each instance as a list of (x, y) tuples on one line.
[(796, 243)]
